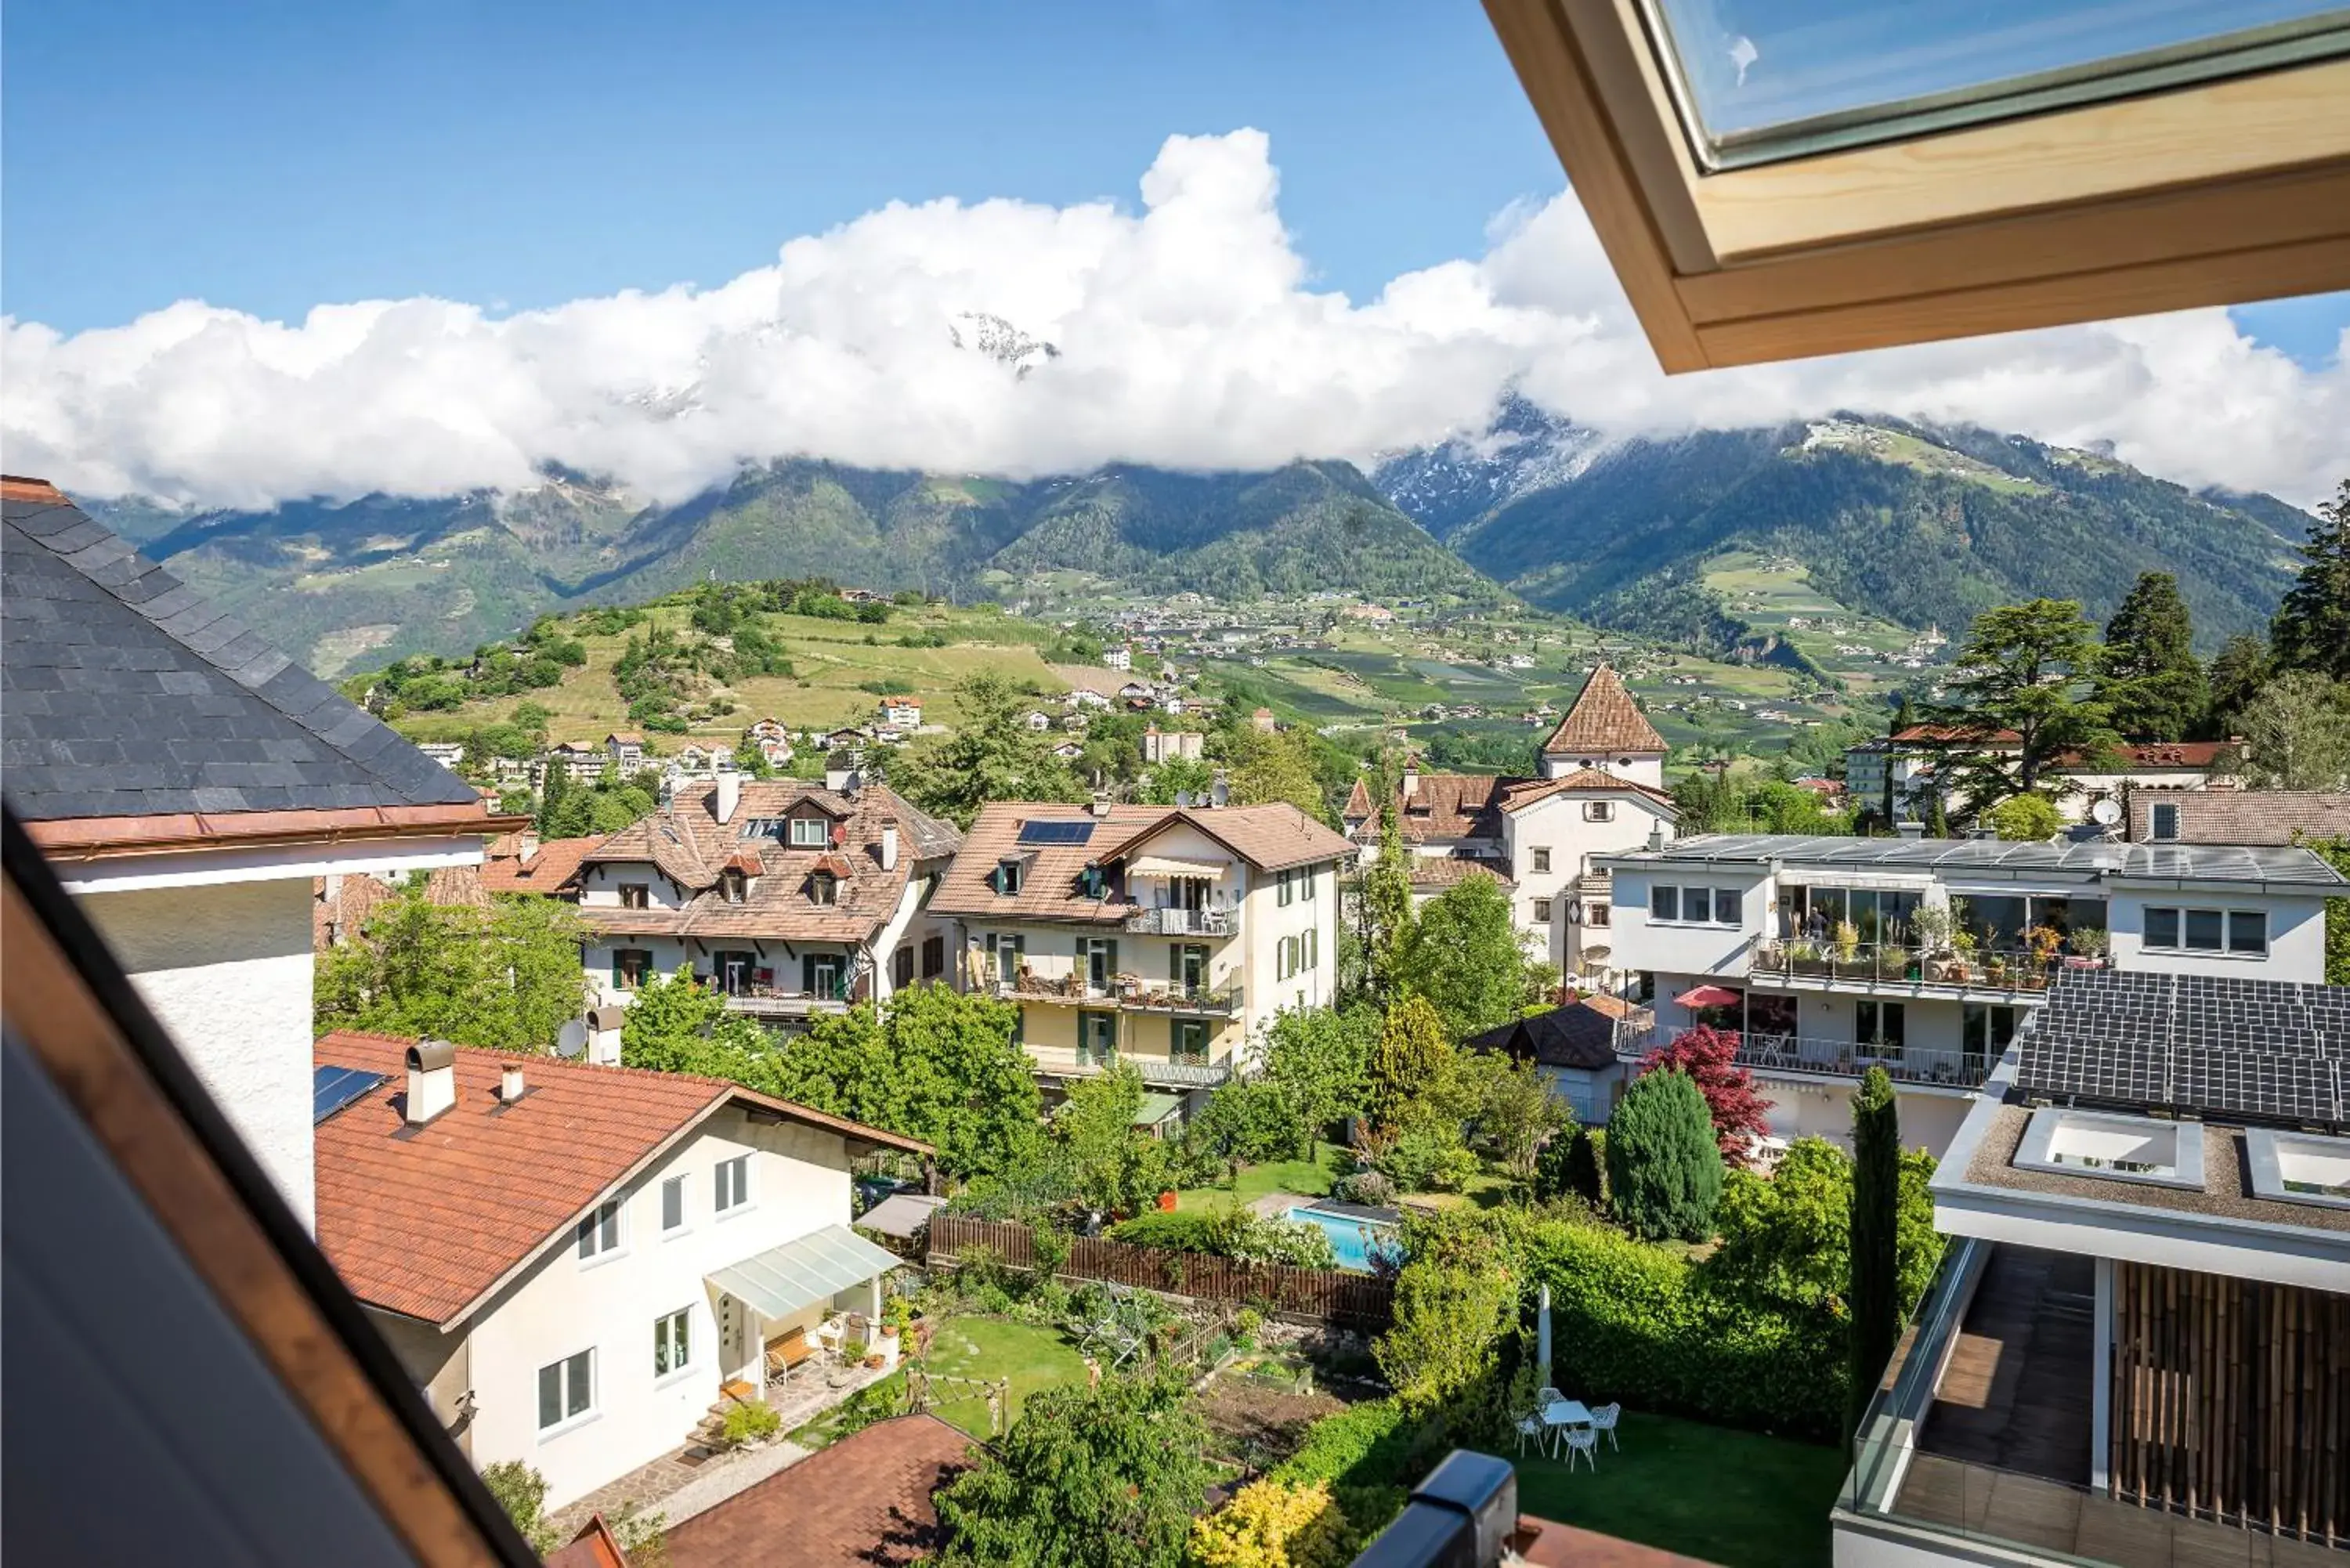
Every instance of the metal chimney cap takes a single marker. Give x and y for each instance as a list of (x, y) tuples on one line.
[(432, 1055)]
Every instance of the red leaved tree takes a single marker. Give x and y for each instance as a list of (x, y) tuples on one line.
[(1709, 1056)]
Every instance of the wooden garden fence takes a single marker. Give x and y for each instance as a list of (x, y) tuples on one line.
[(1364, 1302)]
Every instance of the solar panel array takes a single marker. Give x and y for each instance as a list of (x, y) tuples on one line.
[(333, 1087), (2210, 1045), (1055, 832)]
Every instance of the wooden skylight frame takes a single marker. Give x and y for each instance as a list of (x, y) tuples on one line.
[(2217, 194)]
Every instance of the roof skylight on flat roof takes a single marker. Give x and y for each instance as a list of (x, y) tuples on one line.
[(2068, 1142), (1755, 81), (2298, 1167)]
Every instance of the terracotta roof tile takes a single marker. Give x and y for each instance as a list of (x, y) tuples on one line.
[(864, 1500), (2243, 816), (1270, 838), (423, 1223), (1585, 780), (549, 870), (1438, 871), (1605, 719), (1454, 806)]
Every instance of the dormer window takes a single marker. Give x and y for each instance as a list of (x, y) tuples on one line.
[(1093, 882), (1009, 874), (810, 833), (731, 884), (824, 887)]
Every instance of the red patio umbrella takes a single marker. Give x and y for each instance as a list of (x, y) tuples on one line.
[(1709, 996)]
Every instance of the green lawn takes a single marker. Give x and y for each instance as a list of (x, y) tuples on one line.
[(982, 1348), (1736, 1499), (1310, 1177)]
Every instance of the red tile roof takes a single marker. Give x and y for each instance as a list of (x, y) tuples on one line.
[(1946, 734), (424, 1222), (1523, 792), (1605, 719), (1430, 872), (547, 870), (2263, 816), (1453, 806), (594, 1547), (864, 1500)]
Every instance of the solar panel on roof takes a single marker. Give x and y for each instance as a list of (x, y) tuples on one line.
[(1055, 832), (333, 1087)]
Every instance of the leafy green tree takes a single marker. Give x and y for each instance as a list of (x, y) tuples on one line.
[(1414, 1058), (1263, 768), (1086, 1478), (2238, 673), (1318, 1063), (1465, 954), (2312, 628), (2151, 683), (2336, 853), (2026, 819), (1788, 1237), (931, 1062), (1178, 776), (507, 977), (1664, 1171), (991, 755), (1873, 1295), (2297, 732), (1454, 1299), (2021, 671), (1114, 1164), (675, 1024), (1568, 1167), (521, 1490), (1384, 903), (1516, 1114)]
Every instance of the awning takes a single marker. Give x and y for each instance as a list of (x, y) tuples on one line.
[(1155, 1108), (901, 1214), (1709, 996), (781, 1280), (1168, 866)]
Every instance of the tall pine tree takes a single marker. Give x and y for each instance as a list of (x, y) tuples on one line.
[(2020, 672), (2238, 673), (2149, 680), (1874, 1291), (2311, 629)]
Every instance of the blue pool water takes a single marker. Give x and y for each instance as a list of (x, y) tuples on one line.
[(1351, 1239)]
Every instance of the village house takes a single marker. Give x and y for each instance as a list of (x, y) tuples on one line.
[(791, 897), (190, 785), (901, 712), (1910, 764), (1168, 938), (582, 761), (625, 749), (525, 863), (1170, 746), (449, 754), (574, 1262)]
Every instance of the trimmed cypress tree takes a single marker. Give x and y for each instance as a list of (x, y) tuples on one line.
[(1875, 1291), (1664, 1168), (1583, 1167)]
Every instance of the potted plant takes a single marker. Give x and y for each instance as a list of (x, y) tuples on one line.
[(1848, 941), (1995, 969), (2042, 943), (1894, 962), (1804, 957), (2089, 945), (1930, 923), (852, 1351)]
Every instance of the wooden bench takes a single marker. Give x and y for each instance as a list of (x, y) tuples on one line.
[(787, 1351)]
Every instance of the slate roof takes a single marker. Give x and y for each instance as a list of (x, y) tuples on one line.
[(2245, 816), (865, 1500), (691, 846), (1579, 1035), (423, 1222), (1605, 719), (1270, 838), (125, 693)]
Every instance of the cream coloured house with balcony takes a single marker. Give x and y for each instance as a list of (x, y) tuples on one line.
[(1821, 953), (1164, 937)]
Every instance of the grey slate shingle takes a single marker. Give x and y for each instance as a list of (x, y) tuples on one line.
[(128, 694)]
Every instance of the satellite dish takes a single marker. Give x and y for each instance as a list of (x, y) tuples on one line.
[(2105, 812)]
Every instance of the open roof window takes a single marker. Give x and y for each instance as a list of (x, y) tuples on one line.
[(1772, 180), (2298, 1167), (2067, 1142)]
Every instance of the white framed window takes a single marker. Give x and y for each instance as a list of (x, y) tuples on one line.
[(810, 833), (672, 1342), (599, 1233), (1284, 888), (731, 1184), (672, 1204), (1541, 859), (1598, 915), (1696, 905), (1598, 811), (1542, 911), (1725, 905), (566, 1392)]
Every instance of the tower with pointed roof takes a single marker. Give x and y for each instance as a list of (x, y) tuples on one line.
[(1604, 732)]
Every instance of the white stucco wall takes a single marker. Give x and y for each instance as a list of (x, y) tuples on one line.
[(1556, 823), (1265, 920), (2297, 935), (563, 1304), (226, 970), (1686, 947)]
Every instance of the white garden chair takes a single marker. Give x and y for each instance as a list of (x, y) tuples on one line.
[(1602, 1420), (1533, 1426), (1581, 1440)]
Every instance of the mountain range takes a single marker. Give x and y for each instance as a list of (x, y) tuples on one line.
[(1920, 524)]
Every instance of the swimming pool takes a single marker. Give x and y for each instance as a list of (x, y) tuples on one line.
[(1352, 1237)]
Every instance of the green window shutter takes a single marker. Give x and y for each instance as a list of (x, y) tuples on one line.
[(616, 981), (1175, 962), (807, 971), (1112, 959)]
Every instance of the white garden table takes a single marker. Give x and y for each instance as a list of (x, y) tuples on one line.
[(1561, 1413)]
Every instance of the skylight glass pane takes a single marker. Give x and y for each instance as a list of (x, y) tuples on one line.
[(1758, 80)]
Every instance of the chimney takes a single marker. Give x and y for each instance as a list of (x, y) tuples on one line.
[(1411, 778), (1656, 836), (1100, 803), (529, 842), (840, 772), (888, 846), (510, 1085), (604, 1022), (432, 1080), (1910, 828), (729, 793)]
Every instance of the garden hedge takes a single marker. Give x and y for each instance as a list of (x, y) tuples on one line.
[(1640, 1325)]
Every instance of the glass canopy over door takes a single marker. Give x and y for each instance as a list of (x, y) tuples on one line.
[(1755, 81)]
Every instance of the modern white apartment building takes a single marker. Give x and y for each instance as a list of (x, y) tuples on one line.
[(1827, 955), (1166, 936), (2138, 1350)]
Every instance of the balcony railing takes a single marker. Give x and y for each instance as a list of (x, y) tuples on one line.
[(1890, 964), (1128, 991), (787, 1001), (1175, 922), (1939, 1065), (1160, 1072)]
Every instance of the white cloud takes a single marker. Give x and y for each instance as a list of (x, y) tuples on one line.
[(1190, 337)]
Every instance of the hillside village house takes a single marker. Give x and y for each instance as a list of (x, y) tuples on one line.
[(1810, 948), (573, 1261), (2138, 1348), (626, 750), (1170, 746), (187, 783), (791, 897), (1168, 938), (1600, 790)]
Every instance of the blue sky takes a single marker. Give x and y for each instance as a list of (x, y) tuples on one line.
[(270, 156)]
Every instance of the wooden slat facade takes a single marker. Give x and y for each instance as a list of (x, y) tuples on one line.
[(2231, 1401), (1360, 1302)]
